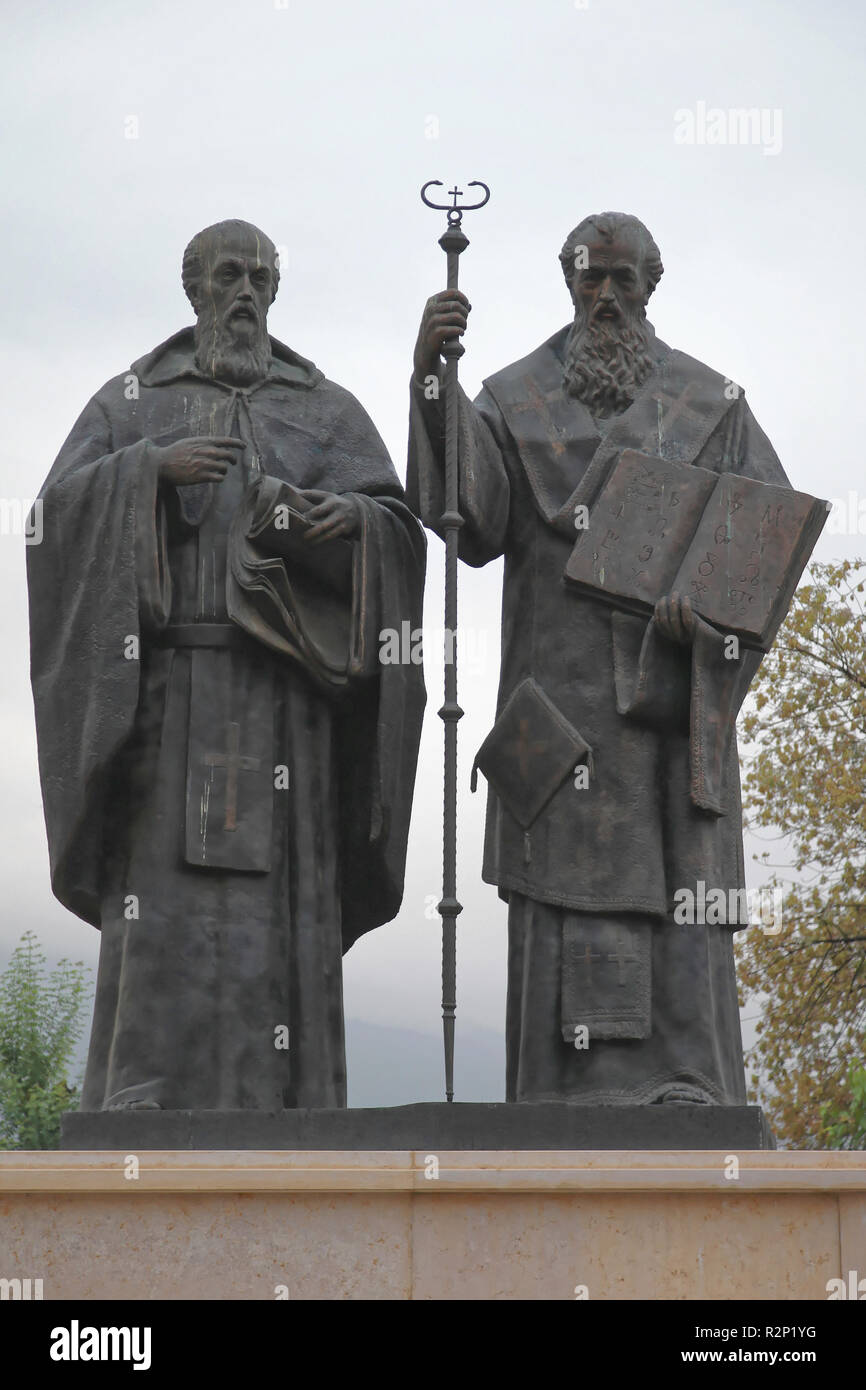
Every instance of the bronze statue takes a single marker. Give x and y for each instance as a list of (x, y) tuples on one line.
[(612, 766), (227, 769)]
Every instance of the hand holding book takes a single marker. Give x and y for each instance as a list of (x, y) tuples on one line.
[(310, 530), (331, 514), (675, 618), (734, 547)]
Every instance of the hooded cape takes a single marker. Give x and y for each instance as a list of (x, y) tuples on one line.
[(100, 592)]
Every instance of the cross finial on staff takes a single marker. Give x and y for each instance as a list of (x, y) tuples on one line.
[(455, 212)]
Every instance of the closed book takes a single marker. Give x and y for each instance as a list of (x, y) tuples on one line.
[(283, 530), (529, 752)]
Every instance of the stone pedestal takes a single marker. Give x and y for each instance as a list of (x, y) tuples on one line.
[(432, 1224), (552, 1125)]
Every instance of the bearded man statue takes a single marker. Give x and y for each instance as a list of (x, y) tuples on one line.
[(595, 822), (227, 771)]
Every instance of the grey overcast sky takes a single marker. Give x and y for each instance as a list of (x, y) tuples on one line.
[(126, 128)]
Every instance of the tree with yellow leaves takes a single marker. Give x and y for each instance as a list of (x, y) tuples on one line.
[(806, 781)]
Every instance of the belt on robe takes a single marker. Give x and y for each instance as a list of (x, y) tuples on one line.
[(203, 635)]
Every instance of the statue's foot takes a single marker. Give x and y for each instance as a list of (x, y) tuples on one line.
[(134, 1105), (683, 1095)]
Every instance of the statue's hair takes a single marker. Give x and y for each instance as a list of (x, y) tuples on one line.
[(607, 225), (191, 266)]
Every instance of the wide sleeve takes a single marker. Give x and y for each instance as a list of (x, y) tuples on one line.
[(381, 722), (345, 642), (484, 486), (98, 577)]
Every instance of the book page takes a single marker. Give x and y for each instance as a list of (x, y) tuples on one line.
[(748, 553), (639, 528)]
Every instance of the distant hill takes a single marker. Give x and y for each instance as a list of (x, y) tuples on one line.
[(396, 1066)]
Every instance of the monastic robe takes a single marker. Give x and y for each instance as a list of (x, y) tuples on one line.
[(591, 880), (227, 771)]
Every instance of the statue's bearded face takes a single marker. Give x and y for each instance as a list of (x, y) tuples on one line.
[(232, 302), (608, 355)]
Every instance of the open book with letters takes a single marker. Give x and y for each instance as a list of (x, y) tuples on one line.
[(735, 546)]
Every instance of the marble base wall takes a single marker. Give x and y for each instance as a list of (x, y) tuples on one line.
[(409, 1225)]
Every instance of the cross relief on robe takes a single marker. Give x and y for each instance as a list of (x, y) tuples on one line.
[(587, 957), (524, 749), (233, 763), (537, 402), (675, 407), (620, 957)]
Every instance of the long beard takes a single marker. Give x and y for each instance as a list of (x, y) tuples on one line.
[(607, 363), (223, 354)]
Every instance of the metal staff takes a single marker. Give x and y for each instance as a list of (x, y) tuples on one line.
[(453, 241)]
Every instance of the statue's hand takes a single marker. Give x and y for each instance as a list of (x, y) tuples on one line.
[(332, 514), (445, 316), (203, 458), (675, 618)]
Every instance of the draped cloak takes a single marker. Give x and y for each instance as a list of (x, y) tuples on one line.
[(227, 770), (661, 808)]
